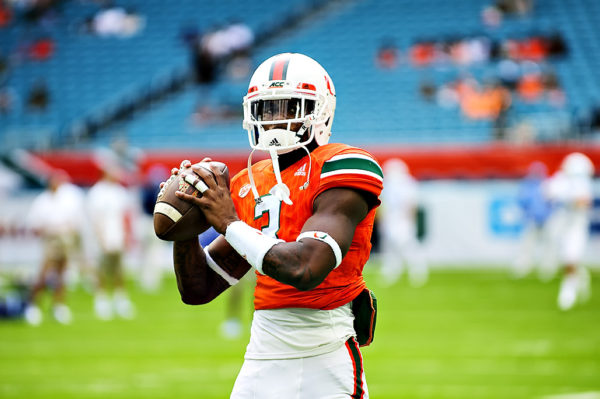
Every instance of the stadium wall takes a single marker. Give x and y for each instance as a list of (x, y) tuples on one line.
[(479, 223), (491, 161)]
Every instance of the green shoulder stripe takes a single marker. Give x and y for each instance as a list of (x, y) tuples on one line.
[(351, 163)]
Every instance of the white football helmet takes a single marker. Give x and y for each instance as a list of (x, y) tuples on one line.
[(577, 164), (289, 95)]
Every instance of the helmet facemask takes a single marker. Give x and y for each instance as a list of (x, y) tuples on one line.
[(282, 121)]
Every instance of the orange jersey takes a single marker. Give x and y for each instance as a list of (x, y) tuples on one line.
[(331, 165)]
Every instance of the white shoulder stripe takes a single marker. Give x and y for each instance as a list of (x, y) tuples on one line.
[(217, 269), (350, 156), (351, 172)]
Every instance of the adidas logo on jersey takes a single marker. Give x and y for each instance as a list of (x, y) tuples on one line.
[(275, 143), (301, 171)]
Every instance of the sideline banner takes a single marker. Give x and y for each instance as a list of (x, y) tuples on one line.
[(480, 222)]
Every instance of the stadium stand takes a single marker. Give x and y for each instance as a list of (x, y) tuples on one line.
[(353, 32), (90, 75), (138, 87)]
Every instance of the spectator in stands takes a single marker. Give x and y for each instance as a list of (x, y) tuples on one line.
[(509, 73), (398, 226), (422, 53), (535, 48), (595, 118), (554, 92), (427, 90), (531, 86), (520, 7), (241, 41), (204, 62), (470, 50), (536, 243), (7, 100), (240, 37), (189, 35), (571, 191), (38, 98), (387, 54), (4, 68), (41, 49), (230, 44), (5, 14), (557, 45), (491, 16), (39, 12), (447, 96), (52, 217), (500, 101), (480, 48), (114, 21), (109, 207)]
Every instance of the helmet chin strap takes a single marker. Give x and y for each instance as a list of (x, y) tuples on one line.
[(252, 185), (281, 191), (305, 185)]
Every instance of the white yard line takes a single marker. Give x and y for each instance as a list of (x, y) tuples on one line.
[(575, 395)]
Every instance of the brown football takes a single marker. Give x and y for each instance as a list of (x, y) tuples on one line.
[(176, 219)]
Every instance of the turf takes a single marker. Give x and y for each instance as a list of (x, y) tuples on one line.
[(463, 335)]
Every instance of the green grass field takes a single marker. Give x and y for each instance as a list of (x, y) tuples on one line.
[(464, 335)]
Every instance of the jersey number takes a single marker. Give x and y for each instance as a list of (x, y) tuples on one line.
[(272, 206)]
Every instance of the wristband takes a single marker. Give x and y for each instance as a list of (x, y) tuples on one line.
[(217, 269), (250, 243), (327, 239)]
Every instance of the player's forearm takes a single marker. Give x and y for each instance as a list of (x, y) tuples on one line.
[(190, 269), (284, 263), (303, 263)]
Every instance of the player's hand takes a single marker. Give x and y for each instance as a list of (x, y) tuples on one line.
[(216, 202), (184, 165)]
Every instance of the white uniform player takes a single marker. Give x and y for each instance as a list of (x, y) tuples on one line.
[(571, 191), (53, 215), (397, 218), (78, 269), (109, 204)]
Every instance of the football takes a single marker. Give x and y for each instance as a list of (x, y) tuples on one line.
[(176, 219)]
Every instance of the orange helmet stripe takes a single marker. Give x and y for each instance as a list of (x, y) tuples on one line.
[(279, 69)]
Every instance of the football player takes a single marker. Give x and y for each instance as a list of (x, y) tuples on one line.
[(108, 206), (570, 190), (398, 220), (303, 221), (54, 218), (536, 248)]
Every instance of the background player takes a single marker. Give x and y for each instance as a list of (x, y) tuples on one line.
[(537, 246), (571, 191), (303, 221), (109, 206), (55, 218), (398, 226)]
